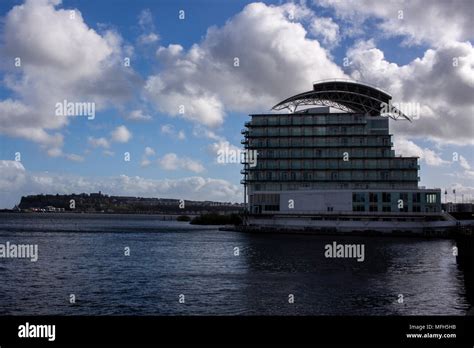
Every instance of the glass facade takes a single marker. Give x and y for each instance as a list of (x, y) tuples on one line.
[(327, 151)]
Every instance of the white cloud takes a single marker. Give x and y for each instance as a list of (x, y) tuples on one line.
[(169, 129), (441, 81), (220, 145), (55, 152), (171, 161), (407, 147), (203, 132), (442, 90), (12, 174), (224, 147), (436, 22), (98, 142), (74, 157), (326, 29), (61, 58), (148, 36), (147, 39), (276, 60), (145, 162), (464, 163), (121, 134), (138, 115), (149, 151), (15, 181)]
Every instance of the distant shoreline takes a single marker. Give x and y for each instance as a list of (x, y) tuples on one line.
[(92, 212)]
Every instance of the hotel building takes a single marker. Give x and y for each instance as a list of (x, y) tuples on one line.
[(319, 169)]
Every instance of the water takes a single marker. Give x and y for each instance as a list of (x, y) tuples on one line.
[(172, 258)]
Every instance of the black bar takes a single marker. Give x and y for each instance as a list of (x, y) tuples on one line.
[(239, 330)]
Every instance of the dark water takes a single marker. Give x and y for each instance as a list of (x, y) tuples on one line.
[(172, 258)]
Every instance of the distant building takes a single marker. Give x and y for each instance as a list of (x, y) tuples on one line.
[(458, 207)]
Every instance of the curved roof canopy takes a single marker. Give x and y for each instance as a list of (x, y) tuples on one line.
[(345, 95)]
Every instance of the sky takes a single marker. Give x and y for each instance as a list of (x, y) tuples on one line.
[(170, 83)]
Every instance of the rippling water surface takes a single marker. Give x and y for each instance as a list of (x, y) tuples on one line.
[(84, 255)]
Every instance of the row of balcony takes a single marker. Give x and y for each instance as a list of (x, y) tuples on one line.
[(314, 142), (304, 120), (332, 175), (330, 180), (324, 151), (332, 166), (313, 133)]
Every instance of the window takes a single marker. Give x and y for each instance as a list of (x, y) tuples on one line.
[(404, 198), (296, 131), (358, 197), (272, 207), (431, 198), (295, 164), (373, 197), (386, 208), (373, 208), (296, 153), (386, 197), (273, 131), (273, 121), (416, 197)]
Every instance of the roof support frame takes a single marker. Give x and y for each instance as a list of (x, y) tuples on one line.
[(347, 96)]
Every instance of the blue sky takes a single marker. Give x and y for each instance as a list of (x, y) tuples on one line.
[(282, 48)]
